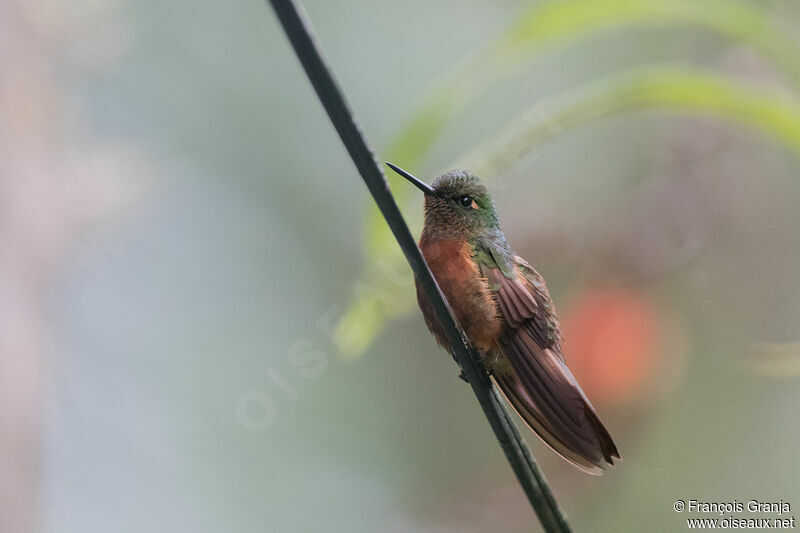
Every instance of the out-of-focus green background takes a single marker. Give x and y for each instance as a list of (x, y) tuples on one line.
[(204, 328)]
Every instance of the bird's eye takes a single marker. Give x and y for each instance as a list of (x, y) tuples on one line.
[(465, 201)]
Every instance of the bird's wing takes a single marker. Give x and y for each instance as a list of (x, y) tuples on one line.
[(534, 377), (525, 303)]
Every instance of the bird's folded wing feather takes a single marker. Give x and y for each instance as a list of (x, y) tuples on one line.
[(539, 384)]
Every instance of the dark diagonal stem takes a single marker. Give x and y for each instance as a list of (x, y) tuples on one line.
[(300, 33)]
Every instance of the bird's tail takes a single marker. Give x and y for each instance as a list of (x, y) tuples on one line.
[(561, 415)]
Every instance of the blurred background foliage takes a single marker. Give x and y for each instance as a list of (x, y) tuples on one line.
[(206, 327), (573, 22)]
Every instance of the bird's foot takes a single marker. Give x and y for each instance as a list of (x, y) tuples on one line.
[(463, 376)]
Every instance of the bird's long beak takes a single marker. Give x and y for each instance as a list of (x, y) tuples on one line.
[(421, 185)]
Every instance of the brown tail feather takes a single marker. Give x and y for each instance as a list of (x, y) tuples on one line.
[(513, 392), (544, 393)]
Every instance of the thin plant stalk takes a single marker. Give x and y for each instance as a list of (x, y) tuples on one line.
[(298, 29)]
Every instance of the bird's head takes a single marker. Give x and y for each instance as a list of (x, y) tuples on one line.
[(457, 206)]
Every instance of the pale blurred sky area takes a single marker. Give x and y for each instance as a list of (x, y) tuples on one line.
[(203, 328)]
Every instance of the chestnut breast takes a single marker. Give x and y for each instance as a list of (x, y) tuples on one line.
[(467, 292)]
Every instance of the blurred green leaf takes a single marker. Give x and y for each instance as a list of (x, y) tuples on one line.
[(775, 360), (568, 22), (741, 21), (669, 87)]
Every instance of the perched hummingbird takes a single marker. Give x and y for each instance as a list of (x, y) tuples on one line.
[(505, 309)]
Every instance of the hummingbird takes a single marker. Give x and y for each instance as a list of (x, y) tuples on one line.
[(505, 309)]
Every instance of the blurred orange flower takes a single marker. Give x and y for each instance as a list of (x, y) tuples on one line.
[(615, 343)]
